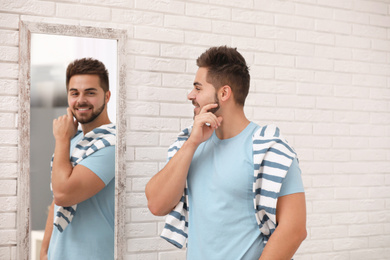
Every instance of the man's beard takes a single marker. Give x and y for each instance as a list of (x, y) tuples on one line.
[(216, 101), (92, 117), (212, 110)]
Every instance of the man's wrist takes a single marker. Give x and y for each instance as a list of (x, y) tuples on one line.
[(62, 140), (191, 144)]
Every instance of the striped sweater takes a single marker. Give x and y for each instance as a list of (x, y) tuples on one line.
[(272, 157)]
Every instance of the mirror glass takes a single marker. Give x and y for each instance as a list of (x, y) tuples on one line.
[(50, 56)]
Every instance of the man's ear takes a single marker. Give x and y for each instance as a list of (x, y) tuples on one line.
[(225, 92), (108, 95)]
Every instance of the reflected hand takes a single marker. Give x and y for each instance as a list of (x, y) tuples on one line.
[(204, 125), (65, 127), (43, 254)]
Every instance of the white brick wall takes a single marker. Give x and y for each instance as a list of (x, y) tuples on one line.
[(8, 133), (320, 70)]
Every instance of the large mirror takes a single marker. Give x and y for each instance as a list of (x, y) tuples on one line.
[(46, 50)]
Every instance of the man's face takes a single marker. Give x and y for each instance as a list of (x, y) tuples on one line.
[(86, 98), (203, 93)]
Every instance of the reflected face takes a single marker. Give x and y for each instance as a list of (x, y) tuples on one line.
[(203, 93), (86, 98)]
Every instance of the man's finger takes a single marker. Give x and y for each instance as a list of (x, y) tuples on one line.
[(69, 112), (207, 107), (208, 119), (75, 122)]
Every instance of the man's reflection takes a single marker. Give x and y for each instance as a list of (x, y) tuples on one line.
[(80, 224)]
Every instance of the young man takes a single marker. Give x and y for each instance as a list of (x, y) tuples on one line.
[(80, 224), (243, 194)]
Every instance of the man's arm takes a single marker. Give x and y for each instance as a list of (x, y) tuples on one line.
[(48, 231), (165, 189), (291, 229), (70, 185)]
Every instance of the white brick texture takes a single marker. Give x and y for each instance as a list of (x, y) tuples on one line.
[(320, 70)]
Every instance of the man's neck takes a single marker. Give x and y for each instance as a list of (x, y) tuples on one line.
[(232, 124), (104, 120)]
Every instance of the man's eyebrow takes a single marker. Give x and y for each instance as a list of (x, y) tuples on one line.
[(87, 89), (197, 84)]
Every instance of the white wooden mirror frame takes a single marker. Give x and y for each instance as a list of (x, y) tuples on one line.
[(23, 194)]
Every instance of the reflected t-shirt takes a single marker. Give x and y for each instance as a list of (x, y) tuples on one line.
[(90, 235)]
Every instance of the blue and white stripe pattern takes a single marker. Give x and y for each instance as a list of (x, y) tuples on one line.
[(176, 222), (94, 140), (272, 157)]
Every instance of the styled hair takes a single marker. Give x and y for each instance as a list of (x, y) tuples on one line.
[(88, 66), (226, 66)]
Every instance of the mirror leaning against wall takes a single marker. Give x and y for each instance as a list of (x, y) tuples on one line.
[(46, 51)]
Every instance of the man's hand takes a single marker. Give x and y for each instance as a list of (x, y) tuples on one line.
[(204, 125), (291, 229), (65, 127), (47, 234)]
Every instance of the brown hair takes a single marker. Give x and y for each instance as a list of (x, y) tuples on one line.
[(226, 66), (88, 66)]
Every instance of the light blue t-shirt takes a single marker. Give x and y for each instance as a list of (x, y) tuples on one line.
[(90, 235), (222, 223)]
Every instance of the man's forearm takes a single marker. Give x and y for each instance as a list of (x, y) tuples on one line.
[(166, 188), (282, 245), (291, 230), (64, 128), (62, 167), (48, 231)]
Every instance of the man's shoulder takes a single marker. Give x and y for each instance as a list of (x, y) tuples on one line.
[(182, 136), (270, 135), (102, 136), (78, 136), (105, 129), (267, 131)]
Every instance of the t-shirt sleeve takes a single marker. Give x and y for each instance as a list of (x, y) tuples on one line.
[(102, 163), (292, 183)]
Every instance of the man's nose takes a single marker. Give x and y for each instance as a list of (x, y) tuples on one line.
[(81, 98), (191, 95)]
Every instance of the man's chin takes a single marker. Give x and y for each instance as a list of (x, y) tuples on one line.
[(83, 120)]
